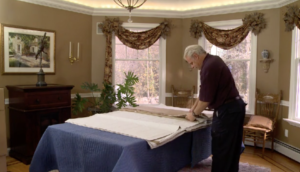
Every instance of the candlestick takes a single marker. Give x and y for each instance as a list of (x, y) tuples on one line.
[(70, 49), (78, 51)]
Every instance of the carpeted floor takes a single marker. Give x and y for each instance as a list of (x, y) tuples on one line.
[(205, 166)]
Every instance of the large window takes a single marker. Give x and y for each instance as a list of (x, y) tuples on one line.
[(147, 64), (294, 108), (241, 60)]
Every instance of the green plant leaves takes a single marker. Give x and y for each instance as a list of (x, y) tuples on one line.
[(78, 104), (125, 92), (90, 86), (108, 96)]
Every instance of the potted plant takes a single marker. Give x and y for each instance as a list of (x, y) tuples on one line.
[(124, 95)]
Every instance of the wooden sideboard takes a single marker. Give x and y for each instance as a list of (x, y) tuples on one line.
[(3, 148), (31, 110)]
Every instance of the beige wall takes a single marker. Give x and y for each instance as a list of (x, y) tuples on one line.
[(69, 26), (75, 27)]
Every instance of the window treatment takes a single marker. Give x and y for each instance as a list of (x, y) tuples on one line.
[(292, 18), (227, 39), (136, 40)]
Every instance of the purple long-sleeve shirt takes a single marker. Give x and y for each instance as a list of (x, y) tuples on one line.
[(217, 83)]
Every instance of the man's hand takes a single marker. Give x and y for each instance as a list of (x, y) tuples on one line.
[(189, 116)]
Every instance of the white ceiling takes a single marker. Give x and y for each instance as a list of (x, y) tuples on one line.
[(163, 8)]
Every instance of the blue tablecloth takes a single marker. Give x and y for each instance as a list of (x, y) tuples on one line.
[(71, 148)]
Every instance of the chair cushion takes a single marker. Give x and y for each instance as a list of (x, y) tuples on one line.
[(260, 121), (248, 127)]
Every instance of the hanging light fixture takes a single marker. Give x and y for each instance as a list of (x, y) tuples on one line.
[(131, 4)]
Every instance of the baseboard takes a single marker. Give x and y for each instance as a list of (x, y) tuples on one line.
[(281, 147), (287, 150)]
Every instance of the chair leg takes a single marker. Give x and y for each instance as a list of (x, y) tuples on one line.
[(272, 135), (244, 136), (263, 151), (254, 140)]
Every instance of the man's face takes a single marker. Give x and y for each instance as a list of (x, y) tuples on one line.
[(195, 62)]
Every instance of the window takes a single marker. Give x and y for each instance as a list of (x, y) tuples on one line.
[(148, 64), (294, 108), (241, 60)]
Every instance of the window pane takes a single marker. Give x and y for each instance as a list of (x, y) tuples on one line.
[(147, 89), (298, 92), (143, 54), (118, 41), (120, 52), (297, 44), (154, 52), (240, 73)]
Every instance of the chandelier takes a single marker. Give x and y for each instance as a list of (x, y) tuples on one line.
[(131, 4)]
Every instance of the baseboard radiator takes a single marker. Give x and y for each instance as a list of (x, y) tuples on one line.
[(281, 147)]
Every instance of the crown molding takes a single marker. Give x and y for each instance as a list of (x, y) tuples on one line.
[(63, 5), (251, 6)]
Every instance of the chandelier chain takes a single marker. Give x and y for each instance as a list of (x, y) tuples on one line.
[(132, 4)]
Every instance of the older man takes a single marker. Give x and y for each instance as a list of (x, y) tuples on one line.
[(218, 92)]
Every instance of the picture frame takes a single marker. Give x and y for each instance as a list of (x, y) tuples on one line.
[(98, 30), (19, 47)]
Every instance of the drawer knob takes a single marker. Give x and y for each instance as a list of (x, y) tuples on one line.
[(37, 101)]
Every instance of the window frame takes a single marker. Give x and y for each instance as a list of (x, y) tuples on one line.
[(293, 77), (162, 55), (253, 59)]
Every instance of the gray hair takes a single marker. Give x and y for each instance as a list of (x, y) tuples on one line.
[(190, 50)]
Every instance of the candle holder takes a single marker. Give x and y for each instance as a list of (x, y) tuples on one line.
[(73, 59)]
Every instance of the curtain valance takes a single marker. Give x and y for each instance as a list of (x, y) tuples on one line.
[(227, 39), (136, 40), (292, 18)]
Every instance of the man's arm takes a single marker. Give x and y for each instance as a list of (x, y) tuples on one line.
[(194, 106), (198, 110)]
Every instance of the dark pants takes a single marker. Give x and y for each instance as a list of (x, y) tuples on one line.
[(227, 134)]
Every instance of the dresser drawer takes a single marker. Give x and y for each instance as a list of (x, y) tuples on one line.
[(42, 100)]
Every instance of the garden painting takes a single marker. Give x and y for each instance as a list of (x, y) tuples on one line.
[(23, 48), (20, 49)]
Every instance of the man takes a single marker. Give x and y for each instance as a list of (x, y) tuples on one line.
[(218, 91)]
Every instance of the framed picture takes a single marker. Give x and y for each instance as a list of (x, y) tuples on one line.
[(20, 47)]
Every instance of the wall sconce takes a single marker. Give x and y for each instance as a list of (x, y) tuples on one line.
[(73, 59), (265, 60)]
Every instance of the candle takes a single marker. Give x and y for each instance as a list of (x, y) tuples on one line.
[(78, 51), (70, 49)]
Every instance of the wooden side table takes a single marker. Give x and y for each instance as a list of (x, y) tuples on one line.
[(31, 110)]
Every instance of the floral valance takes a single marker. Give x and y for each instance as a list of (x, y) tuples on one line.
[(292, 18), (136, 40), (227, 39)]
